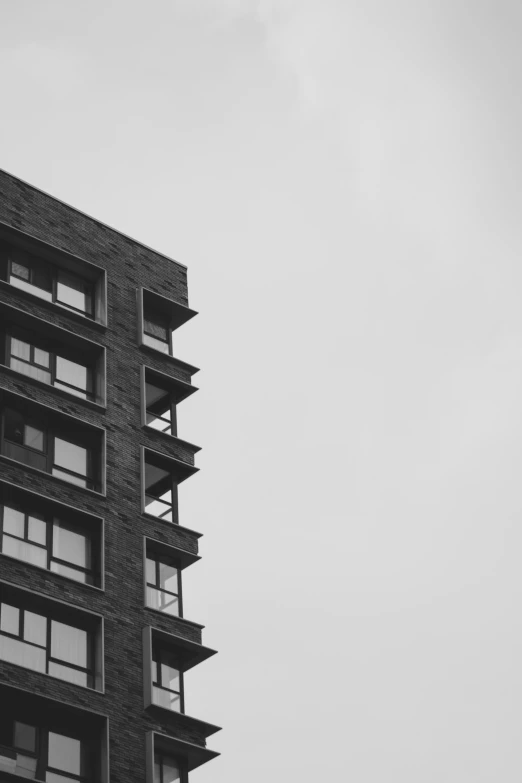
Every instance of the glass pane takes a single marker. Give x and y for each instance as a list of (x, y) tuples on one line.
[(42, 278), (13, 522), (71, 373), (25, 766), (155, 329), (25, 737), (31, 289), (41, 357), (153, 342), (23, 654), (29, 553), (158, 509), (71, 546), (163, 424), (65, 753), (168, 577), (33, 437), (71, 573), (9, 619), (69, 455), (20, 349), (68, 643), (151, 571), (73, 292), (164, 602), (20, 270), (167, 699), (69, 675), (171, 773), (35, 628), (69, 477), (168, 766), (54, 777), (170, 677), (38, 373), (76, 392), (37, 530)]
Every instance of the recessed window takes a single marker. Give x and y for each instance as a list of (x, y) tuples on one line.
[(161, 476), (45, 540), (73, 292), (42, 643), (160, 411), (167, 681), (166, 768), (160, 493), (35, 752), (158, 318), (46, 444), (26, 356), (156, 334), (163, 584), (48, 282)]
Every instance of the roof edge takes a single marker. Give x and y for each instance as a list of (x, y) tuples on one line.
[(95, 220)]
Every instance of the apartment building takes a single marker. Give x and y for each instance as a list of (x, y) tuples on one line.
[(94, 642)]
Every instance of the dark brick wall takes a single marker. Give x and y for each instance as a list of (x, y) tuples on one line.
[(129, 266)]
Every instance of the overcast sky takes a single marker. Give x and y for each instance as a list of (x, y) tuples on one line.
[(342, 180)]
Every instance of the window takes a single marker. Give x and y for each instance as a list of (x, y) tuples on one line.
[(166, 768), (42, 364), (156, 334), (167, 681), (158, 317), (41, 643), (42, 445), (160, 413), (163, 585), (48, 282), (159, 492), (49, 542), (37, 752), (161, 476)]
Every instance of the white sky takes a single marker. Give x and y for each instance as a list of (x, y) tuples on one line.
[(343, 181)]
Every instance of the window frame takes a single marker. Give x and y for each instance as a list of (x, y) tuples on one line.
[(154, 556), (59, 611), (91, 574), (32, 263), (179, 471), (51, 369), (92, 438), (48, 713), (13, 494), (159, 654), (15, 242)]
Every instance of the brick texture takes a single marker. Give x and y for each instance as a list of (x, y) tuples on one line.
[(129, 265)]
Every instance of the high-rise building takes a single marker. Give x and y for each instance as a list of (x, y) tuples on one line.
[(94, 643)]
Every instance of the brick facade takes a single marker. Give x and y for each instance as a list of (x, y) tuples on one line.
[(129, 266)]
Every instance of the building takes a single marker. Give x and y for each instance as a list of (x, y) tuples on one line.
[(93, 641)]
